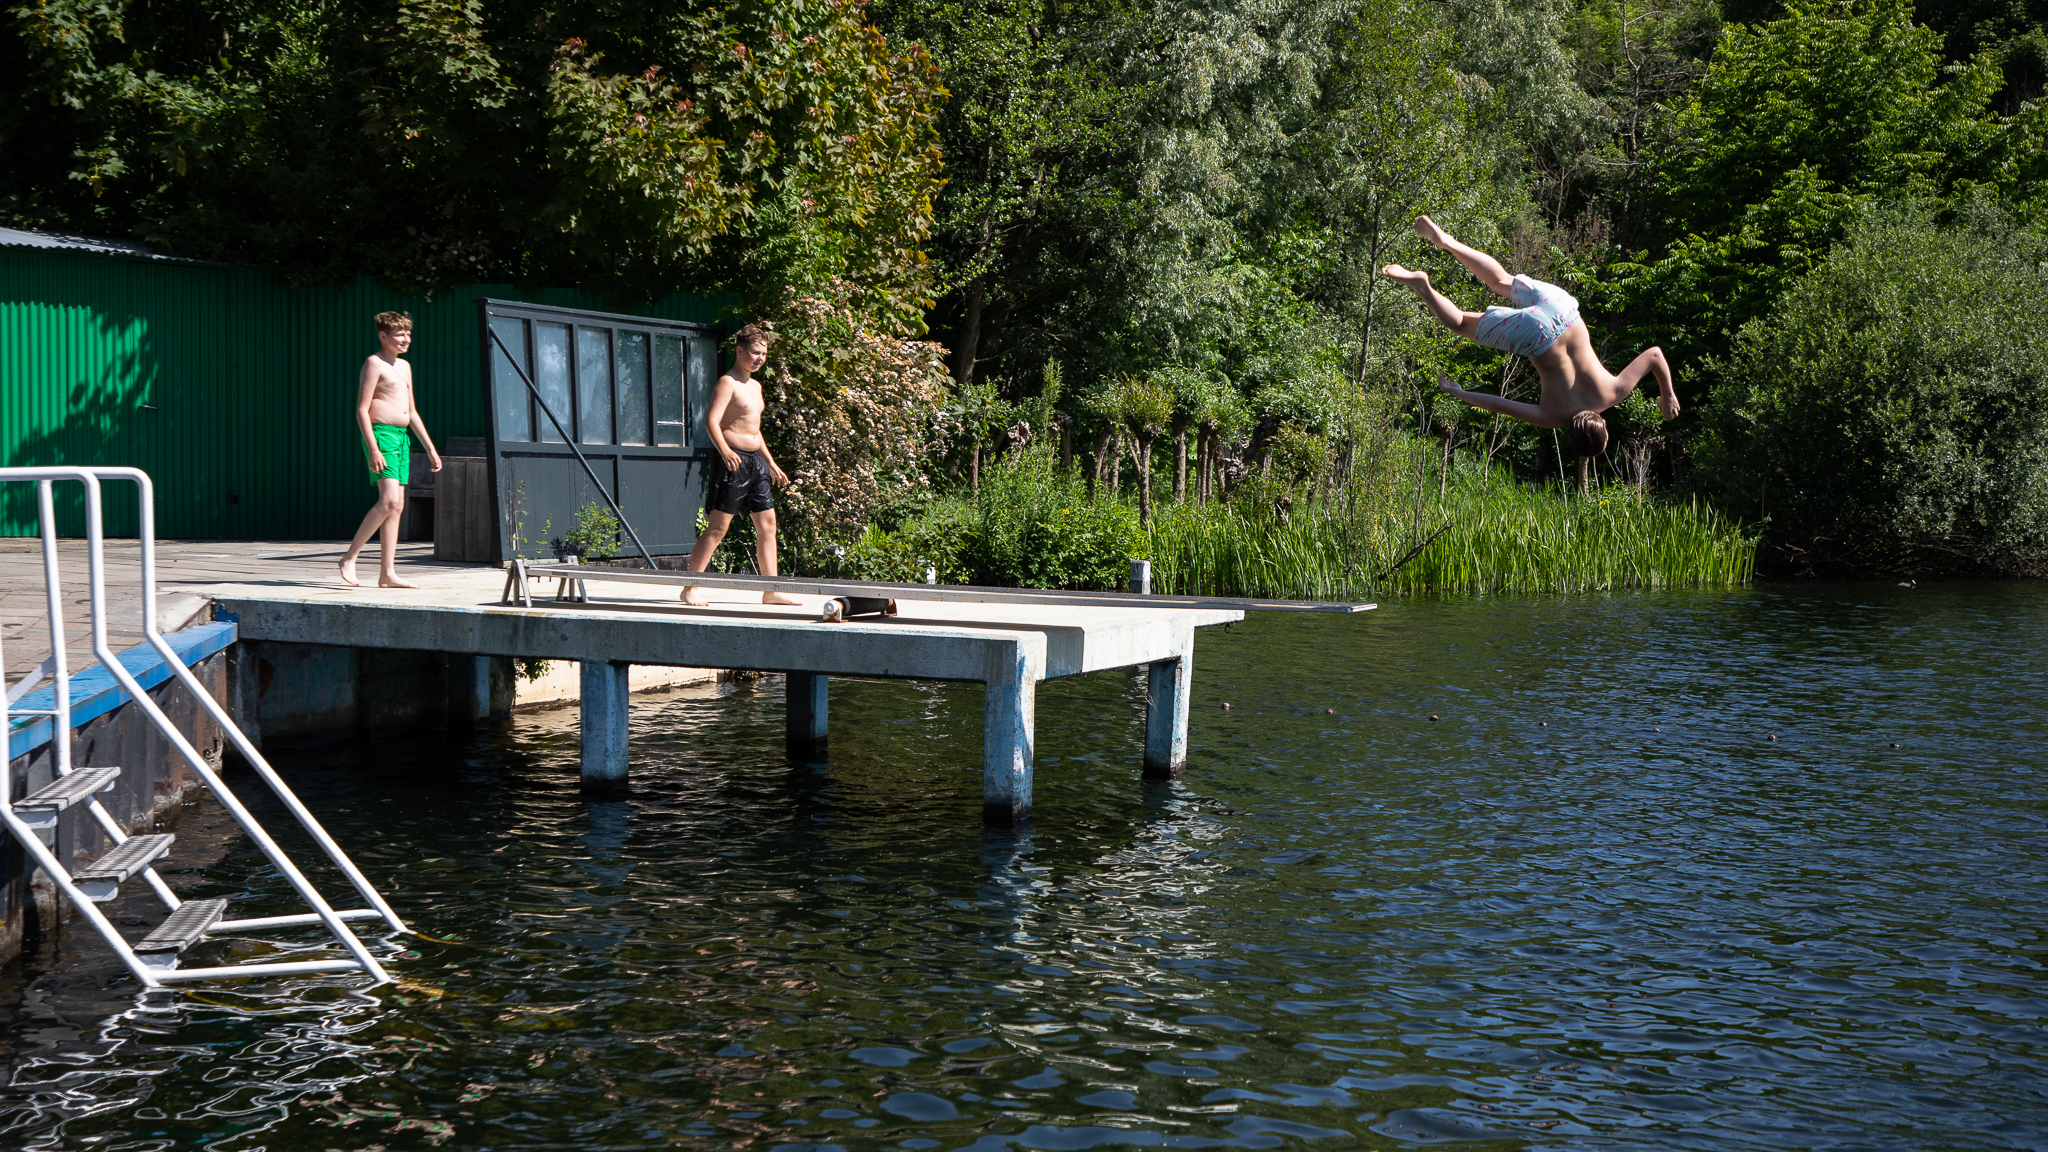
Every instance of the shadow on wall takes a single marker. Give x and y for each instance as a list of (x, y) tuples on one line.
[(113, 372)]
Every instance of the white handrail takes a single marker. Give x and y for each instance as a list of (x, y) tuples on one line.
[(88, 478), (146, 496), (46, 508)]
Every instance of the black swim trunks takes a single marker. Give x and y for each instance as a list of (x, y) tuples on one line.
[(739, 491)]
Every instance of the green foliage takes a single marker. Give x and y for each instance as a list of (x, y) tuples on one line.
[(1136, 402), (935, 537), (1498, 536), (1792, 130), (626, 149), (596, 535), (1890, 410), (853, 407), (1035, 133), (1031, 525), (1036, 528)]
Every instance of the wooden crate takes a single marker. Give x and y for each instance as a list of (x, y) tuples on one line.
[(417, 521), (462, 511)]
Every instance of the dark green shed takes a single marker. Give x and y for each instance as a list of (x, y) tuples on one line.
[(232, 389)]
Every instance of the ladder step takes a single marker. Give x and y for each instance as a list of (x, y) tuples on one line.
[(179, 931), (40, 809), (101, 879)]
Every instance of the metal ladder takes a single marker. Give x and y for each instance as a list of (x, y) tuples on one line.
[(154, 960)]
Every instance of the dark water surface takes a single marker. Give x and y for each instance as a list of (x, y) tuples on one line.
[(1592, 906)]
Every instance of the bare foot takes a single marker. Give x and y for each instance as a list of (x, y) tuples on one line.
[(694, 597), (779, 598), (1428, 230), (1406, 276), (348, 572), (391, 580)]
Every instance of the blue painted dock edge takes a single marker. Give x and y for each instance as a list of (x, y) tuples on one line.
[(95, 692)]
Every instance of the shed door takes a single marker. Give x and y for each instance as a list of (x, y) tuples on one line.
[(627, 391)]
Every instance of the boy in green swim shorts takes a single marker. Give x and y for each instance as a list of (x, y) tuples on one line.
[(386, 417)]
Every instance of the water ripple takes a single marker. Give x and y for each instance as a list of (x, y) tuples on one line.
[(1653, 877)]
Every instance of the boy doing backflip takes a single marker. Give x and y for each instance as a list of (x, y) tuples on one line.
[(386, 417), (743, 471), (1544, 325)]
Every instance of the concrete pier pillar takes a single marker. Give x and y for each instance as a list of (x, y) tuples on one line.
[(606, 702), (246, 683), (808, 711), (479, 690), (1009, 717), (1166, 715)]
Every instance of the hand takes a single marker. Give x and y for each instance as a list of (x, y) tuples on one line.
[(732, 459), (1444, 385), (1667, 404), (376, 461), (433, 461), (777, 476)]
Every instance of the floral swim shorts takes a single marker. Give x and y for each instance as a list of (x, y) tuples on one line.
[(1544, 313)]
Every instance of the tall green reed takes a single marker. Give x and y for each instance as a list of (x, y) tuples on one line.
[(1476, 535), (1406, 519)]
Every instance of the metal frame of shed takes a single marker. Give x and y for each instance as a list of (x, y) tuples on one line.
[(630, 390)]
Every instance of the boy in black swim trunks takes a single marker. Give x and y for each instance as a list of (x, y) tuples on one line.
[(743, 471)]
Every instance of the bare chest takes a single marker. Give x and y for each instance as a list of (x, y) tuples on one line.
[(745, 404), (394, 384)]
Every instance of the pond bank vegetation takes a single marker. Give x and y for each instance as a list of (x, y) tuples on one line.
[(1395, 525)]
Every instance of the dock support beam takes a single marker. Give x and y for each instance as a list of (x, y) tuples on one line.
[(809, 696), (1009, 716), (606, 703), (479, 690), (1166, 713)]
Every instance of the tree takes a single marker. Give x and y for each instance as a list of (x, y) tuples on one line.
[(1143, 407), (1793, 129), (751, 147), (855, 408), (1036, 132), (1891, 410)]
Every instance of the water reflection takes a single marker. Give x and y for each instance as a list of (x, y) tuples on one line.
[(1592, 905)]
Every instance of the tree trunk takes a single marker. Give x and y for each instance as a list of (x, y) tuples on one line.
[(1103, 460), (967, 344), (1141, 459), (1065, 424), (1208, 447), (974, 468), (1372, 283), (1180, 458)]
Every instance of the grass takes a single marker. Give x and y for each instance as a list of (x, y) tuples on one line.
[(1481, 537), (1401, 526)]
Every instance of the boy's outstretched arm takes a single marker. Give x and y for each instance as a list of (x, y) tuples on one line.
[(1653, 365), (1501, 405)]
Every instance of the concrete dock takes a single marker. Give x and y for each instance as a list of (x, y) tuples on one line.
[(1008, 647), (289, 595)]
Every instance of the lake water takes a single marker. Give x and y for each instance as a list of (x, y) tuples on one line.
[(1591, 904)]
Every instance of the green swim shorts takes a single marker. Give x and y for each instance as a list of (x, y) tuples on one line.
[(395, 442)]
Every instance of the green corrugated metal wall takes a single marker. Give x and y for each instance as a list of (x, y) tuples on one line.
[(233, 391)]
